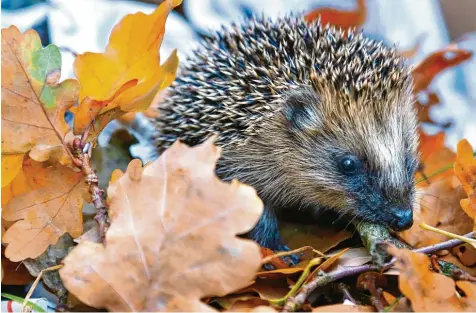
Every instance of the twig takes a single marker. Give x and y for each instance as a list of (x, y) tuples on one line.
[(377, 298), (459, 274), (66, 49), (434, 263), (83, 154), (471, 241), (286, 253), (35, 283), (295, 302), (345, 291)]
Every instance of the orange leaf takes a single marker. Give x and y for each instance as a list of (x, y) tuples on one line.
[(437, 205), (128, 75), (465, 170), (173, 223), (435, 159), (425, 71), (342, 19), (11, 165), (33, 102), (426, 290), (42, 215)]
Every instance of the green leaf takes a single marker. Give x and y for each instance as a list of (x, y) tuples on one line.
[(35, 307)]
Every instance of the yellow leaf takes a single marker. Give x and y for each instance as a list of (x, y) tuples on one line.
[(128, 75), (465, 170), (11, 165), (43, 215)]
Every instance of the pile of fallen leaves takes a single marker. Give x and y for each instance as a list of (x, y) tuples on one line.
[(165, 238)]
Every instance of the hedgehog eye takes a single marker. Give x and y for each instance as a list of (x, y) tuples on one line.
[(349, 164)]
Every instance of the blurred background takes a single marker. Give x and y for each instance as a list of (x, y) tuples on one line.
[(84, 25)]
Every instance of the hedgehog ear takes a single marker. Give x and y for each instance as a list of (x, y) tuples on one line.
[(300, 109)]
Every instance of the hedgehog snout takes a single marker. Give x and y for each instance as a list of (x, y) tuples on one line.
[(402, 218)]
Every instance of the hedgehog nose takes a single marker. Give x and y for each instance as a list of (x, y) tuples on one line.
[(403, 218)]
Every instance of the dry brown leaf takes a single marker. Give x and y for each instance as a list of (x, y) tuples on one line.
[(426, 290), (33, 102), (466, 254), (438, 206), (465, 170), (353, 257), (250, 305), (173, 223), (267, 288), (321, 239), (43, 214)]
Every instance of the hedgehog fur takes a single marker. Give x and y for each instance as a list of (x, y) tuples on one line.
[(288, 101)]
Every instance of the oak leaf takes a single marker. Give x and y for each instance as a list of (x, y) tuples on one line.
[(11, 165), (339, 18), (429, 291), (425, 71), (128, 75), (435, 160), (465, 170), (172, 238), (14, 273), (30, 177), (33, 101), (43, 214), (437, 205)]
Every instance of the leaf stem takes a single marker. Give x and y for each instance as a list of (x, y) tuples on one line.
[(36, 282), (446, 233)]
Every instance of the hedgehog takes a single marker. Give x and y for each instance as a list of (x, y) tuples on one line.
[(313, 117)]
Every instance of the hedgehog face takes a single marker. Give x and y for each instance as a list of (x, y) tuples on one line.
[(358, 157)]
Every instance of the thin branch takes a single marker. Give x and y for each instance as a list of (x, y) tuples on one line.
[(37, 281), (293, 303), (83, 161)]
